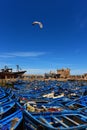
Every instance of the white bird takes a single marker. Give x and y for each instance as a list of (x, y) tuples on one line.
[(39, 23)]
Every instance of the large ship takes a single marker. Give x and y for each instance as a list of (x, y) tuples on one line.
[(7, 73)]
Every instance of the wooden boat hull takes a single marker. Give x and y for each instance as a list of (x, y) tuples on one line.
[(13, 120), (4, 75), (5, 109), (41, 121)]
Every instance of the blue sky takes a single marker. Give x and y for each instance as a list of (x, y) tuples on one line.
[(62, 43)]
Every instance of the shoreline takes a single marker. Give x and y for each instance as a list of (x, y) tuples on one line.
[(38, 79)]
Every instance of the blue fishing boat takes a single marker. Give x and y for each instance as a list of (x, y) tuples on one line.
[(6, 108), (2, 95), (12, 122), (11, 117), (78, 104), (6, 99), (84, 111), (54, 121)]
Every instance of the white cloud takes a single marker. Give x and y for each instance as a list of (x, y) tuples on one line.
[(21, 54)]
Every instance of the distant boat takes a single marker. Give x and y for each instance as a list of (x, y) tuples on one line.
[(7, 73)]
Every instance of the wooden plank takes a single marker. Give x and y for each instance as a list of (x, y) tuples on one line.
[(66, 126), (71, 120), (45, 121)]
